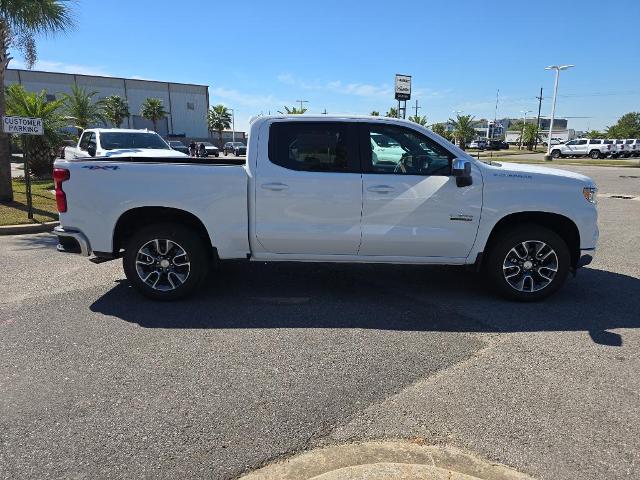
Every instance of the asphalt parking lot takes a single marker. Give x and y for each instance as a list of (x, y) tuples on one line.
[(271, 359)]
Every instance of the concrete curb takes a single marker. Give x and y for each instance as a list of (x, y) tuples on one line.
[(28, 228), (385, 460)]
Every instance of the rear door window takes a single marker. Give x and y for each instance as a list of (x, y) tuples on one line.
[(314, 146), (595, 142)]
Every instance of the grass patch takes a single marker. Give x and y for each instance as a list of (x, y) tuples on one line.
[(44, 204)]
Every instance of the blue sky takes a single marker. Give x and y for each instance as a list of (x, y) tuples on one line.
[(257, 56)]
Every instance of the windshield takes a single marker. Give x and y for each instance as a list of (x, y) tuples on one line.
[(114, 140), (207, 144), (176, 144), (237, 144)]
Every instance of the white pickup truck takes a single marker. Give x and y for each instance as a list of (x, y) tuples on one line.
[(310, 192), (120, 142), (581, 147)]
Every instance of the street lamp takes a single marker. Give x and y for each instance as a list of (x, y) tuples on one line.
[(233, 124), (524, 124), (557, 68)]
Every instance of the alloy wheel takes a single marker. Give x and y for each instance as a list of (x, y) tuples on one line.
[(163, 264), (530, 266)]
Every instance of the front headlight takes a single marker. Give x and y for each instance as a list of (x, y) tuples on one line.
[(590, 193)]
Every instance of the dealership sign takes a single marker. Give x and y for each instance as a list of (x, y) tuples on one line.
[(22, 125), (403, 87)]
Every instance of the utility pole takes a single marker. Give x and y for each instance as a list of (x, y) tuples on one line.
[(301, 102), (417, 107), (535, 142), (325, 112)]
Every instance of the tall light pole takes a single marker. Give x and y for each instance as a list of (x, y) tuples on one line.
[(557, 68), (233, 124), (524, 124)]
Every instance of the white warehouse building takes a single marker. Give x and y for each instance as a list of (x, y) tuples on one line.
[(186, 104)]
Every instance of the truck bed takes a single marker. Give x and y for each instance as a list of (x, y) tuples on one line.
[(215, 193)]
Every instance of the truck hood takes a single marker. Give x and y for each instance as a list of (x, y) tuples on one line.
[(143, 152), (534, 171)]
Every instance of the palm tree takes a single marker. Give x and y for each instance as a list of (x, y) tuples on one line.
[(463, 130), (375, 113), (420, 120), (40, 150), (593, 134), (116, 109), (218, 119), (294, 110), (393, 113), (82, 111), (152, 109), (20, 22), (441, 129)]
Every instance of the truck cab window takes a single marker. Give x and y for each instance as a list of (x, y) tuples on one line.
[(404, 151), (84, 141), (316, 147)]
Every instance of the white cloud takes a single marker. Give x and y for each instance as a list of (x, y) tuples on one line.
[(235, 97), (53, 66), (366, 90)]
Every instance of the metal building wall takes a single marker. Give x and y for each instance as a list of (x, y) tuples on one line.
[(175, 97)]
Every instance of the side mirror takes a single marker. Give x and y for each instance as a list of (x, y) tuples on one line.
[(461, 169), (91, 149)]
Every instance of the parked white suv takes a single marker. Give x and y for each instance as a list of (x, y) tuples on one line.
[(581, 147), (310, 191)]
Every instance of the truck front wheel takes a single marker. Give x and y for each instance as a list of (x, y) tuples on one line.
[(528, 263), (595, 154), (165, 261), (556, 154)]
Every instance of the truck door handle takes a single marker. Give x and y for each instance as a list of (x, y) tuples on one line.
[(380, 188), (276, 186)]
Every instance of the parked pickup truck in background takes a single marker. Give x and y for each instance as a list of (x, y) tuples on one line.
[(310, 192), (619, 148), (118, 142), (581, 147)]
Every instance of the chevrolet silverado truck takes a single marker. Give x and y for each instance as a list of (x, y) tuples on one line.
[(119, 142), (311, 192), (581, 147)]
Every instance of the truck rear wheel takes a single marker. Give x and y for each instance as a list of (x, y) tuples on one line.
[(595, 154), (528, 263), (165, 261)]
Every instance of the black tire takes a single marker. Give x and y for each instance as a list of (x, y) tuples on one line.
[(556, 154), (537, 287), (595, 154), (187, 241)]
